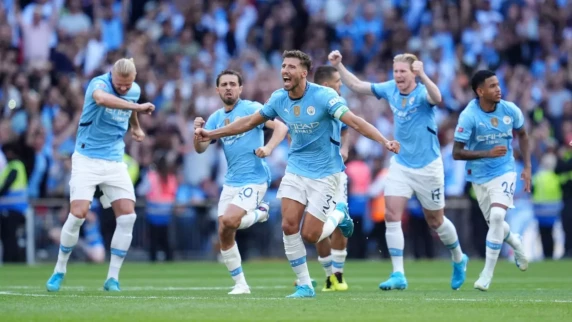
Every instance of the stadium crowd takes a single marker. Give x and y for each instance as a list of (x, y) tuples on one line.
[(50, 49)]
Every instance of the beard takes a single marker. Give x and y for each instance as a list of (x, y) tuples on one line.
[(228, 100)]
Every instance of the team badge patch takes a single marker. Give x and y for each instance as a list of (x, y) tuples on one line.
[(506, 120), (311, 110)]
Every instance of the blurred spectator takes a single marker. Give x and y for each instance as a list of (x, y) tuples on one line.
[(50, 49), (547, 198), (13, 203)]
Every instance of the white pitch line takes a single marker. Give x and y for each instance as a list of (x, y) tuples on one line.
[(150, 288), (377, 299), (132, 297)]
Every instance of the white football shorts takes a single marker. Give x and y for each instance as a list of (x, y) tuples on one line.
[(246, 197), (111, 176), (428, 183), (318, 195)]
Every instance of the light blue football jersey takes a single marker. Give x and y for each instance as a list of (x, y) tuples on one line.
[(414, 122), (244, 167), (482, 131), (101, 129), (314, 129)]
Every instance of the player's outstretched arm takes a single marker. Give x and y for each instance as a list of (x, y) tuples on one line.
[(134, 121), (433, 92), (136, 131), (369, 131), (102, 98), (525, 150), (345, 148), (279, 132), (237, 127), (349, 79), (200, 147), (459, 152)]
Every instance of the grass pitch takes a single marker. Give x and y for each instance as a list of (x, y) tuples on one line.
[(197, 291)]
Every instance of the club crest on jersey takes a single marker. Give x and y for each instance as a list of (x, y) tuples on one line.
[(495, 121), (311, 110), (411, 100), (297, 110), (226, 121), (506, 119)]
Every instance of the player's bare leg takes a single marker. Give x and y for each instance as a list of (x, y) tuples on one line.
[(125, 217), (68, 240), (394, 208), (235, 218), (292, 212), (448, 234), (339, 253)]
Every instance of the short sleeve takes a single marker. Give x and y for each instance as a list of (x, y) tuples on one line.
[(464, 128), (96, 84), (212, 122), (255, 107), (134, 93), (422, 96), (382, 90), (344, 126), (518, 117), (334, 103), (268, 110)]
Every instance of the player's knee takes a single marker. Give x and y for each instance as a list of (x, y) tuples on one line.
[(79, 208), (497, 216), (230, 222), (391, 214), (289, 227), (310, 236), (434, 219), (123, 207)]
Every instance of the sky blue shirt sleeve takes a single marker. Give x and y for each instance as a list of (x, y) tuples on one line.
[(424, 96), (268, 110), (336, 105), (518, 117), (382, 90), (211, 122), (255, 107), (464, 128), (98, 84)]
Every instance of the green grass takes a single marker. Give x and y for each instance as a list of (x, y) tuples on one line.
[(196, 291)]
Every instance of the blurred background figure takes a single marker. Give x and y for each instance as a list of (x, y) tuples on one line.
[(547, 198), (13, 203)]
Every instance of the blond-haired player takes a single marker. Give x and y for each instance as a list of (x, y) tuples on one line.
[(418, 168), (110, 107)]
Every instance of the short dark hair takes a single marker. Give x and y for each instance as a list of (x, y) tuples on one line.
[(229, 72), (479, 78), (324, 73), (11, 146), (304, 58)]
